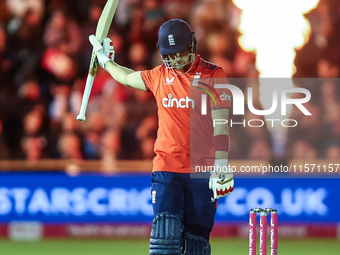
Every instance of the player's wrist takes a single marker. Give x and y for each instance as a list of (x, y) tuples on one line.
[(102, 59), (221, 161), (107, 63)]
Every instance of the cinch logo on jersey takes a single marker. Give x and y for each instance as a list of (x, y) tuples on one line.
[(169, 81), (170, 102), (171, 40)]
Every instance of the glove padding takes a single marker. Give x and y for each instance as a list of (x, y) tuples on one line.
[(104, 52), (221, 180)]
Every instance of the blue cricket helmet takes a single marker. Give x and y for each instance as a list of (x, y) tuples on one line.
[(175, 36)]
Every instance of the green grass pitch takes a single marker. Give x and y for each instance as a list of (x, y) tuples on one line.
[(230, 246)]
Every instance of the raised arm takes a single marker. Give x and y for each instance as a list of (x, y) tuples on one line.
[(105, 54), (125, 76)]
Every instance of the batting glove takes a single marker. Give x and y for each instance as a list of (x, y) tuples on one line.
[(104, 52), (221, 179), (108, 49)]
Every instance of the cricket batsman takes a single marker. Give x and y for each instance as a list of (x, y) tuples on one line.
[(184, 207)]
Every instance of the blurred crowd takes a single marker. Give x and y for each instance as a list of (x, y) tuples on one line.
[(44, 59)]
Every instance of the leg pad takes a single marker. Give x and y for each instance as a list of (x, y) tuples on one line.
[(166, 235), (196, 245)]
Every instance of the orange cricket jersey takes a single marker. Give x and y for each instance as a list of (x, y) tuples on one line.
[(179, 111)]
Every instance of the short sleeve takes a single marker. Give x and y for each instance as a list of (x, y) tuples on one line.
[(149, 77), (222, 96)]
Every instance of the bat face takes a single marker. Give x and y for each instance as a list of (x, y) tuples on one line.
[(105, 19)]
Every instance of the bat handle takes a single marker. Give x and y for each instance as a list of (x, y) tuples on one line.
[(88, 87)]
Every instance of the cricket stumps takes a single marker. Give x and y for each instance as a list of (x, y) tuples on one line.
[(263, 231)]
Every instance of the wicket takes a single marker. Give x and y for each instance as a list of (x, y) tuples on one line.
[(263, 231)]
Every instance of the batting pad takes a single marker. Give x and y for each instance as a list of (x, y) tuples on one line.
[(166, 235)]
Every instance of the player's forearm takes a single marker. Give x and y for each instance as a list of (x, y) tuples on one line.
[(119, 73), (125, 76), (221, 114), (221, 132)]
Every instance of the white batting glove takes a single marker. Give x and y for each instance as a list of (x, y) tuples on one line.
[(104, 52), (221, 179), (108, 49)]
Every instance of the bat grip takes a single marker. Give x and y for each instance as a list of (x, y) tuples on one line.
[(86, 96)]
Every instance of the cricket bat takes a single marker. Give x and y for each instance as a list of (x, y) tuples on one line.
[(102, 30)]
